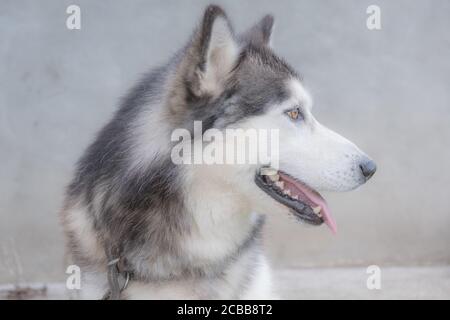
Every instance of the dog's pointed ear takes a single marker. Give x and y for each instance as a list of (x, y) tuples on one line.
[(261, 32), (212, 53)]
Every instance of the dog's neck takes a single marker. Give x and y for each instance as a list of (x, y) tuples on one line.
[(222, 218)]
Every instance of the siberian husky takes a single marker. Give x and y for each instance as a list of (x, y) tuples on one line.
[(194, 231)]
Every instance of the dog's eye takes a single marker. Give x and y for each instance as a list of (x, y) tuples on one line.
[(295, 114)]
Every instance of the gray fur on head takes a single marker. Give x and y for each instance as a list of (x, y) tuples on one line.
[(260, 34)]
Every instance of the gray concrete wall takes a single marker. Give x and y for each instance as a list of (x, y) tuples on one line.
[(386, 90)]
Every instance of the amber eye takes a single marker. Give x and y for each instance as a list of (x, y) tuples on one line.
[(294, 114)]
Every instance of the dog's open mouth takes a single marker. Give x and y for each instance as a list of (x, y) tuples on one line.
[(306, 203)]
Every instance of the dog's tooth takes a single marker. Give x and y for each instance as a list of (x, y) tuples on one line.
[(280, 184), (317, 209), (295, 197), (287, 192), (274, 177), (268, 172)]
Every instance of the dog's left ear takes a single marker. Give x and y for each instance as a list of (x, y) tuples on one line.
[(261, 33), (211, 55)]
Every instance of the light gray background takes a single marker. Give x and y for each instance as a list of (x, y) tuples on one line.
[(386, 90)]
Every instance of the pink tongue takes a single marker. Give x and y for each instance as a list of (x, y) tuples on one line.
[(317, 200)]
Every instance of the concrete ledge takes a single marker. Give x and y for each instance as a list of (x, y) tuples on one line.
[(351, 283), (317, 283)]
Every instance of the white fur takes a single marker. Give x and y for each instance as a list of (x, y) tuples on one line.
[(148, 142), (261, 286), (221, 55), (325, 160), (221, 217), (258, 284), (308, 150), (78, 224)]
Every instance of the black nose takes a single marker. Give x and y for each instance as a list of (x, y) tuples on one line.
[(368, 169)]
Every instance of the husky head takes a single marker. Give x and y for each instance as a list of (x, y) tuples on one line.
[(235, 81)]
